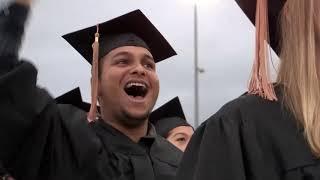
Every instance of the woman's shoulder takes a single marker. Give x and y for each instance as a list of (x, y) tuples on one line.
[(251, 111), (246, 103)]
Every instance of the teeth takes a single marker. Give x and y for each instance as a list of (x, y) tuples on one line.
[(135, 84)]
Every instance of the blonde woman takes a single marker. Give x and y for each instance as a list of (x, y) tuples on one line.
[(272, 132)]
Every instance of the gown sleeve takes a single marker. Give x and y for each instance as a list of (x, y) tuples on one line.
[(38, 138)]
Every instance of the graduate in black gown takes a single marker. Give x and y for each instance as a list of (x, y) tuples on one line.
[(171, 123), (271, 132), (41, 139)]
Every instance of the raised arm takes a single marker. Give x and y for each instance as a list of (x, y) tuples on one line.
[(38, 138), (24, 2), (12, 22)]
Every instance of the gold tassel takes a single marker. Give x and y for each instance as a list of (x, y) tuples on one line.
[(92, 115), (259, 83)]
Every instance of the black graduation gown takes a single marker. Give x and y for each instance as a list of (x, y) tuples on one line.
[(249, 139), (42, 140)]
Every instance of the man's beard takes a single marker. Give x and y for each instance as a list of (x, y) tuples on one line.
[(129, 121)]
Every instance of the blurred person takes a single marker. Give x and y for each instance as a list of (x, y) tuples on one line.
[(170, 123)]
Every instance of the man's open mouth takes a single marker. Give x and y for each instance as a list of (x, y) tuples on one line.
[(136, 89)]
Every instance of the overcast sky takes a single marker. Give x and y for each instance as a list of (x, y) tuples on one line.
[(226, 41)]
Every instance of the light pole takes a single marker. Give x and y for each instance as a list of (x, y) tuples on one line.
[(196, 68)]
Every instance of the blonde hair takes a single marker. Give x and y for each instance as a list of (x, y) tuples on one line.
[(298, 68)]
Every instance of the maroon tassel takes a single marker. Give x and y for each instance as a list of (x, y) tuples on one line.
[(259, 83), (92, 115)]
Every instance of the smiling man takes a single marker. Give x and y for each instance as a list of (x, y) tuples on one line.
[(43, 140), (129, 87)]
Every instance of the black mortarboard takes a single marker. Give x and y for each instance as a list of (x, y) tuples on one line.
[(168, 117), (274, 8), (74, 98), (131, 29)]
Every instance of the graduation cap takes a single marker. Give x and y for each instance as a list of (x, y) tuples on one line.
[(274, 9), (265, 15), (74, 98), (131, 29), (168, 117)]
